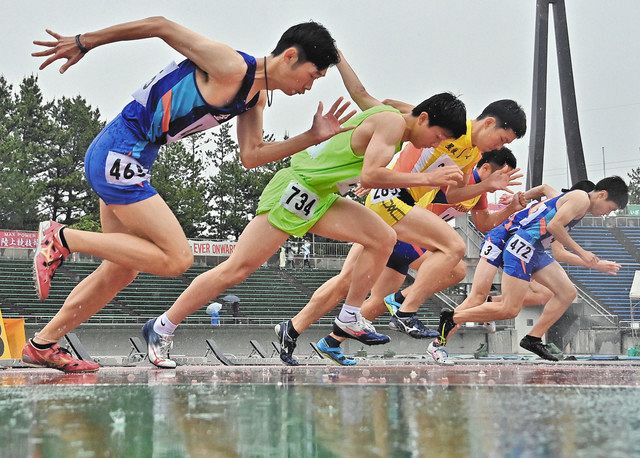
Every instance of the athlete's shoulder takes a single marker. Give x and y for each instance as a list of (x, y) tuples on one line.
[(577, 197), (390, 121)]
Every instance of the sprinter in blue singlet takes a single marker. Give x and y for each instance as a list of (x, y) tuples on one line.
[(139, 232)]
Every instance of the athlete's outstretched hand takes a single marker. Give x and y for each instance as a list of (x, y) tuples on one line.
[(62, 48), (450, 175), (501, 179), (517, 202), (359, 191), (327, 125), (607, 267)]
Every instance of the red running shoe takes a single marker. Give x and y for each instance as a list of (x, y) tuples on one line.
[(50, 254), (56, 357)]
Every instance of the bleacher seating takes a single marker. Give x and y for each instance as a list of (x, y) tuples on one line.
[(261, 294), (633, 235), (612, 291), (267, 296)]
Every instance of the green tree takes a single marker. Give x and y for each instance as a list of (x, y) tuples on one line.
[(24, 134), (235, 191), (634, 186), (67, 193), (179, 176)]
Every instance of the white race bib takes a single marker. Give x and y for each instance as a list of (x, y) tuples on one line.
[(490, 251), (299, 200), (382, 195), (450, 213), (442, 161), (142, 94), (347, 185), (124, 170), (520, 248)]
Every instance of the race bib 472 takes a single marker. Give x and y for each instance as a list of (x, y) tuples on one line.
[(520, 248)]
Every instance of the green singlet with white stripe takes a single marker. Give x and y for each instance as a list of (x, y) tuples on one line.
[(320, 172)]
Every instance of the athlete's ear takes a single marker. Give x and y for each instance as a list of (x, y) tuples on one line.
[(290, 55), (489, 121), (423, 118)]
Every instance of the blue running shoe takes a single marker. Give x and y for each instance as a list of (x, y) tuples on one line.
[(392, 305), (334, 353), (158, 346), (360, 329), (413, 327)]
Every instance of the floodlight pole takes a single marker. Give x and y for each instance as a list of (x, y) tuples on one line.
[(577, 166)]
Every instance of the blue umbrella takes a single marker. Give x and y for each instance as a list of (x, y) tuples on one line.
[(231, 298)]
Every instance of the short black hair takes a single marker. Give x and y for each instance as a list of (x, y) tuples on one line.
[(582, 185), (508, 114), (499, 158), (445, 110), (617, 190), (313, 42)]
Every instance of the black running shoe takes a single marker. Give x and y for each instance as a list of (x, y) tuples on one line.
[(287, 344), (412, 326), (445, 326), (536, 346)]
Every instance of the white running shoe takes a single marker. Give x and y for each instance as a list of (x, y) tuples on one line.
[(439, 354), (158, 346), (360, 329)]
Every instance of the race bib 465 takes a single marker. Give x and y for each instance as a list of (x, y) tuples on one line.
[(124, 170)]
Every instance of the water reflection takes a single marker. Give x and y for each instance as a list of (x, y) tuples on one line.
[(281, 419)]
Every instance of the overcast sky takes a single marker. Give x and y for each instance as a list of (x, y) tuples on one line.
[(409, 50)]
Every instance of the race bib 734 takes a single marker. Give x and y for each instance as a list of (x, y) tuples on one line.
[(299, 200)]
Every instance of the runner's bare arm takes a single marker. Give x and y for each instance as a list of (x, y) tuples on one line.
[(500, 180), (403, 107), (354, 86), (561, 254), (388, 129), (539, 191), (569, 207), (485, 220), (217, 59), (254, 151)]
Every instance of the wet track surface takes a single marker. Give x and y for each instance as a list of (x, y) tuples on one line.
[(472, 409)]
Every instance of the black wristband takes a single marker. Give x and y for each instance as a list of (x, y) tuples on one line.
[(82, 49)]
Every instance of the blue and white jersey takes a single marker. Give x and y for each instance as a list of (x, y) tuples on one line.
[(170, 107), (532, 221)]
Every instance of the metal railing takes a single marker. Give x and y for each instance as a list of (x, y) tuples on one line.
[(594, 304)]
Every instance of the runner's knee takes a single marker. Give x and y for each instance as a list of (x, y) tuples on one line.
[(384, 240), (459, 272), (568, 294), (456, 247), (508, 311), (177, 263)]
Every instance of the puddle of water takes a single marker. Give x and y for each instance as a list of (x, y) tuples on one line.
[(318, 420)]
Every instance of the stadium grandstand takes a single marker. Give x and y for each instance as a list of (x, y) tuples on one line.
[(275, 292)]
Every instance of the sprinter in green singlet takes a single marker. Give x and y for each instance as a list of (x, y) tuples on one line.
[(305, 198)]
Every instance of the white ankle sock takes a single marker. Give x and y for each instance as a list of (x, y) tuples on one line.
[(347, 313), (164, 326)]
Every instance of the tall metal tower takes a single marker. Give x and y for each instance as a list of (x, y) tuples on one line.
[(577, 165)]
